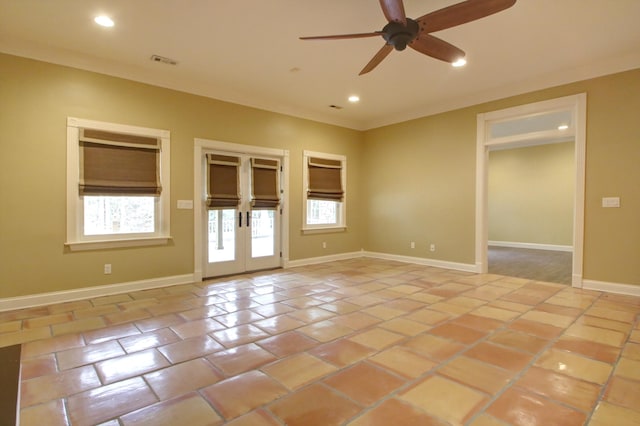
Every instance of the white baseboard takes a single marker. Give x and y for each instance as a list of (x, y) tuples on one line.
[(29, 301), (322, 259), (466, 267), (627, 289), (534, 246)]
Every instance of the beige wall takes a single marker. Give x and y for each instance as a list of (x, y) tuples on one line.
[(35, 100), (422, 179), (413, 181), (531, 194)]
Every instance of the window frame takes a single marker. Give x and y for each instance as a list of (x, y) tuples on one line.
[(76, 240), (341, 224)]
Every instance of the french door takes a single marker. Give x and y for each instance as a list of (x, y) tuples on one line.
[(242, 219)]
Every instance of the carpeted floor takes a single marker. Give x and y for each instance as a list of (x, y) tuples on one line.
[(541, 265)]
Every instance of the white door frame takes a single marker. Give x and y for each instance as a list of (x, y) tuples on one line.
[(577, 104), (202, 145)]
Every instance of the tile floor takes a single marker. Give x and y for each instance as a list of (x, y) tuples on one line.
[(358, 342)]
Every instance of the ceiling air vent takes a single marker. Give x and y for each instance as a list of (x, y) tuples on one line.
[(162, 59), (335, 106)]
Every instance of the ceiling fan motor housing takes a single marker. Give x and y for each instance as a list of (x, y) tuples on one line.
[(398, 35)]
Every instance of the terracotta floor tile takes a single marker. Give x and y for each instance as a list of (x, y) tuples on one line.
[(54, 344), (110, 333), (596, 334), (485, 419), (185, 350), (495, 313), (159, 322), (182, 378), (197, 328), (152, 339), (238, 318), (365, 383), (48, 320), (107, 402), (257, 417), (342, 352), (231, 398), (241, 358), (612, 314), (548, 318), (500, 356), (559, 387), (298, 370), (279, 324), (478, 323), (189, 409), (273, 309), (524, 342), (405, 326), (588, 348), (340, 307), (428, 316), (544, 331), (135, 364), (607, 414), (88, 354), (54, 386), (632, 351), (450, 309), (53, 411), (510, 306), (425, 297), (518, 407), (623, 392), (628, 368), (559, 310), (444, 399), (406, 305), (356, 320), (396, 412), (78, 326), (310, 315), (476, 374), (458, 333), (325, 331), (383, 312), (315, 405), (435, 348), (377, 338), (40, 366), (623, 327), (403, 361), (288, 343), (575, 366)]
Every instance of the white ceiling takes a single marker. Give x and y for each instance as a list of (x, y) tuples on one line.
[(248, 51)]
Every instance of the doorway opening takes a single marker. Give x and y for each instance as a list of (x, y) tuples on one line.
[(539, 128), (240, 208)]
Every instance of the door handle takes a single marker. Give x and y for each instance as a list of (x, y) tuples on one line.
[(248, 219), (240, 219)]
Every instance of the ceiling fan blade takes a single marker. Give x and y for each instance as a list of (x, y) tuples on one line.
[(394, 11), (382, 53), (461, 13), (343, 36), (436, 48)]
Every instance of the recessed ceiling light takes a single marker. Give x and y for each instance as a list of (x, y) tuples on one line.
[(459, 63), (104, 21), (563, 127), (354, 98)]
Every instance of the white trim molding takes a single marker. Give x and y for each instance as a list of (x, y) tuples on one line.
[(444, 264), (41, 299), (626, 289), (322, 259), (534, 246)]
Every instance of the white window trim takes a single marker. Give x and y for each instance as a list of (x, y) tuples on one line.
[(342, 220), (75, 240)]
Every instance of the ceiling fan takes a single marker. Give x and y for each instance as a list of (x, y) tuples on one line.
[(401, 31)]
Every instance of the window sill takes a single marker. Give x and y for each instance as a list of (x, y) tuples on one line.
[(324, 230), (109, 244)]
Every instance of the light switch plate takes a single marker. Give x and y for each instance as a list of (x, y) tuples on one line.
[(185, 204), (610, 201)]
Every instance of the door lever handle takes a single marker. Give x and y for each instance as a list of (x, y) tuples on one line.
[(247, 219), (240, 219)]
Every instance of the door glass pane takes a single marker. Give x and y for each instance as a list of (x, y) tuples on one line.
[(222, 235), (262, 233)]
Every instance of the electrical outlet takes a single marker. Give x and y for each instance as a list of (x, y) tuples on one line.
[(413, 244), (324, 244), (432, 247), (107, 268)]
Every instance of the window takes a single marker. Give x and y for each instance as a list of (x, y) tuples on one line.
[(117, 185), (324, 196)]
